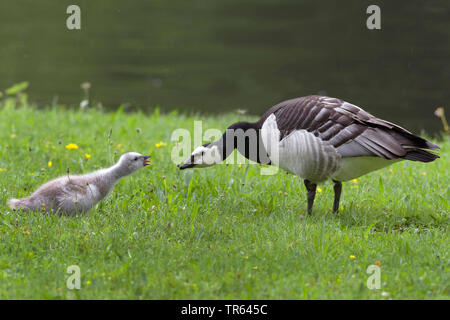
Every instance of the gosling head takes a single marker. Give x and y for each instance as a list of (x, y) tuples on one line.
[(206, 155), (132, 161)]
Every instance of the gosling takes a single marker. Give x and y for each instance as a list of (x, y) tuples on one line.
[(71, 195)]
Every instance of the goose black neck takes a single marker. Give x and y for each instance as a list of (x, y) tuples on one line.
[(246, 138)]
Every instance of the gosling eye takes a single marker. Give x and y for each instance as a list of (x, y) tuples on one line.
[(135, 159)]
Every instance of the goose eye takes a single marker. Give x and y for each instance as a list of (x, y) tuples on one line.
[(135, 159)]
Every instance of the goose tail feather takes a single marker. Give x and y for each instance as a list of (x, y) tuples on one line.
[(420, 155), (432, 146)]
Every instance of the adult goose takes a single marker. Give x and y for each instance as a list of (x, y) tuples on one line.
[(317, 138)]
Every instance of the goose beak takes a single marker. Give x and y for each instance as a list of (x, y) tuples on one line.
[(188, 164), (146, 160)]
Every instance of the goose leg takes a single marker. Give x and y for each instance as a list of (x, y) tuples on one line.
[(311, 187), (337, 195)]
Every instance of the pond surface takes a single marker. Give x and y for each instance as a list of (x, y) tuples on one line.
[(215, 56)]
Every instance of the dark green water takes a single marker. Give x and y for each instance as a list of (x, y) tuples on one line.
[(213, 56)]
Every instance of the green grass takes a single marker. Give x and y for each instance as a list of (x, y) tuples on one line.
[(223, 232)]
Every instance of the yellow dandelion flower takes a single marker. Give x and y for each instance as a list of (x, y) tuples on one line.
[(355, 180), (2, 169), (319, 190), (119, 146), (87, 155), (50, 164), (160, 144), (13, 136), (352, 256), (88, 282), (71, 146), (424, 173), (240, 165)]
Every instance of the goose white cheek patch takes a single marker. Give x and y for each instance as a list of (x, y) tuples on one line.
[(212, 156), (204, 157)]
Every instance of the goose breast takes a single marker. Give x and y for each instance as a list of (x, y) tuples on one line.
[(300, 152)]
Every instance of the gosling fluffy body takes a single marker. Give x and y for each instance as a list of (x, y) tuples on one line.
[(72, 194)]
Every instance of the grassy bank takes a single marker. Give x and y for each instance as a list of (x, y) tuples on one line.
[(220, 232)]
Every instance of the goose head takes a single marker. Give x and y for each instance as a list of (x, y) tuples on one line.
[(206, 155), (132, 161), (243, 136)]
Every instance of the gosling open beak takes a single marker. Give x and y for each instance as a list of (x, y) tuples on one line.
[(146, 160)]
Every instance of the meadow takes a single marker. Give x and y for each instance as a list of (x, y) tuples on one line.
[(224, 232)]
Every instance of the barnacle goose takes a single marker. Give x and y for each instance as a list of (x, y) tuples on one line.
[(317, 138)]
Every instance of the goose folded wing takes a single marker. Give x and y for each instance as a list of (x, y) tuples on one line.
[(351, 130), (357, 133)]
